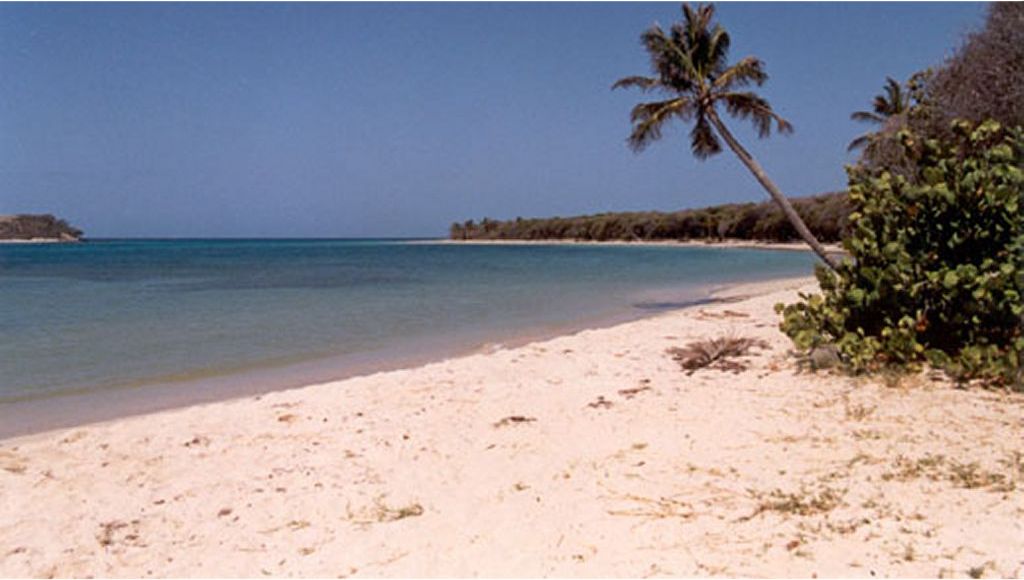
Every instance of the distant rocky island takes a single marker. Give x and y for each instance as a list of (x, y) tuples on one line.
[(37, 228)]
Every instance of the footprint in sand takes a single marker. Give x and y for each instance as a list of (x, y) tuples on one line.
[(13, 463), (74, 437)]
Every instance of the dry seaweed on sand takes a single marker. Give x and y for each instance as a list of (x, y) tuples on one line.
[(715, 353), (513, 419)]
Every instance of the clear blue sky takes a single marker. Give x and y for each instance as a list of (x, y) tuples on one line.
[(397, 119)]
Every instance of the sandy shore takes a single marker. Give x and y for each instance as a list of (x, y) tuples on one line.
[(591, 454), (790, 246), (37, 241)]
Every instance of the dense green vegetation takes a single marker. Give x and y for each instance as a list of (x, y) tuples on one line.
[(826, 216), (936, 243), (938, 262)]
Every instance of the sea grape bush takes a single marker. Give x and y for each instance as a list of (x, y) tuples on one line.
[(936, 266)]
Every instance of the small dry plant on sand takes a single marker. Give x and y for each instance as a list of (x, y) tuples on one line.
[(967, 475), (715, 353), (381, 512), (805, 502)]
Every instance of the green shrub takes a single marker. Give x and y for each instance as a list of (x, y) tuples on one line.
[(937, 269)]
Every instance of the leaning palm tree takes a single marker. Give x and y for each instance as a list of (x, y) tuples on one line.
[(890, 105), (690, 68)]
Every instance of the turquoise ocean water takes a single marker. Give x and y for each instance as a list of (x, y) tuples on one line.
[(113, 315)]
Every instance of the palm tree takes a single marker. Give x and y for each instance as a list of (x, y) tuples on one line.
[(892, 104), (691, 69)]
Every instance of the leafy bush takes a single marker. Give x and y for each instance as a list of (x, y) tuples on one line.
[(937, 269)]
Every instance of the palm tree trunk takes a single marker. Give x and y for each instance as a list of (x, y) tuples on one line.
[(783, 203)]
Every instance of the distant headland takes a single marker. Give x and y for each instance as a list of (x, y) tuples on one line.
[(37, 228)]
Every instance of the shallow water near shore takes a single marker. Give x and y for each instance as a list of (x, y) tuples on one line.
[(113, 316)]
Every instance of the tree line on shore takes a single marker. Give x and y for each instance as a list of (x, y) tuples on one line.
[(826, 215)]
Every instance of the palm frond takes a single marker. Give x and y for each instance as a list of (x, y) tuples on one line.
[(669, 60), (748, 70), (718, 49), (882, 106), (894, 92), (649, 118), (697, 21), (860, 142), (703, 141), (698, 39), (641, 82), (867, 117), (893, 101), (758, 110)]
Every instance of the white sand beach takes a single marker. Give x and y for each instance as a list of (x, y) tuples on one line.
[(591, 454), (36, 241)]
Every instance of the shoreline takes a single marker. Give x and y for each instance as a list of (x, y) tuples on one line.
[(43, 413), (738, 244), (39, 241), (588, 454)]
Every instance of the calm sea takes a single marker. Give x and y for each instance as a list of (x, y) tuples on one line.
[(119, 314)]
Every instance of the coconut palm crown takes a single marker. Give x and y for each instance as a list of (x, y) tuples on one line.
[(892, 104), (691, 70)]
